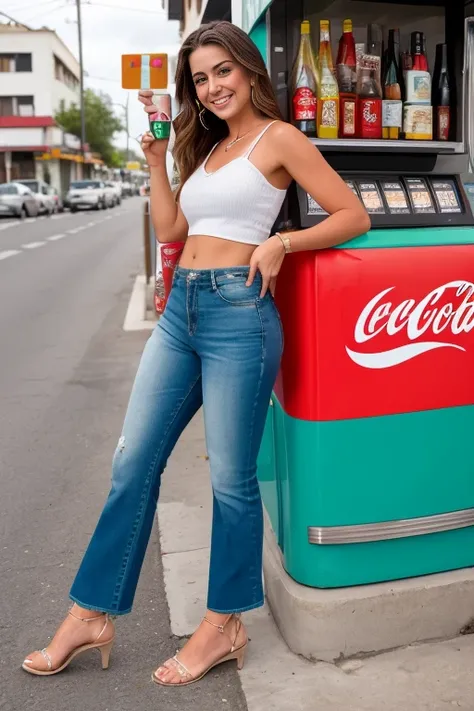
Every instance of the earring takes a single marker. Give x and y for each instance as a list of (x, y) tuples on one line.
[(252, 93), (201, 115)]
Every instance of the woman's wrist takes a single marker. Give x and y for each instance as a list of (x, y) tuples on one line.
[(284, 240)]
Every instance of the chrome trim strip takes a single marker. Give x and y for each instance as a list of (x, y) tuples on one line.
[(386, 145), (389, 530)]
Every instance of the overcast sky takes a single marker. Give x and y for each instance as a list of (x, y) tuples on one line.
[(110, 28)]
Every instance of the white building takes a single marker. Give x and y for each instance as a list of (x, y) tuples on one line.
[(37, 73)]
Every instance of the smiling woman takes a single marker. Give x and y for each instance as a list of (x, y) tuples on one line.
[(218, 344)]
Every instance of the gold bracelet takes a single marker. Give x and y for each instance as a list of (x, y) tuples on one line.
[(285, 240)]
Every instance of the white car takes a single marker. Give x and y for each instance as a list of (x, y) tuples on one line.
[(87, 195), (17, 200), (42, 191), (115, 191)]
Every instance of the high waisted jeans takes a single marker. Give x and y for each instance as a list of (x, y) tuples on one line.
[(217, 344)]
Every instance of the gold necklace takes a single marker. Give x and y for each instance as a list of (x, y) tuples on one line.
[(236, 140)]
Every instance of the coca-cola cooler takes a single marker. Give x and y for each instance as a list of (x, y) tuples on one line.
[(366, 467)]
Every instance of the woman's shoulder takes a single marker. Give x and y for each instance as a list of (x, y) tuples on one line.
[(285, 133)]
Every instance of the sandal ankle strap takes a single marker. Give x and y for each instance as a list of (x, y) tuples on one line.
[(222, 630), (87, 619)]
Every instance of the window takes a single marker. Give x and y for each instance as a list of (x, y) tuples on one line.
[(8, 189), (17, 106), (20, 62), (64, 75)]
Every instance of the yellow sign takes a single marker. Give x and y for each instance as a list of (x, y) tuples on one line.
[(55, 152), (133, 165)]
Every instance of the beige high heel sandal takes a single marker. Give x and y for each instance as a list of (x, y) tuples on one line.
[(237, 653), (104, 647)]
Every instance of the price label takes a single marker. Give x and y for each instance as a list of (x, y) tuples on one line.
[(314, 208), (420, 196), (395, 197), (371, 198), (446, 196)]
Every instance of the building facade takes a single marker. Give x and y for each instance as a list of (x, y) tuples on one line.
[(37, 73)]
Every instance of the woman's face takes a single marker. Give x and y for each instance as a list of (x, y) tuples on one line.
[(222, 85)]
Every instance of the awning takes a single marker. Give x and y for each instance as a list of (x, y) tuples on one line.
[(252, 10)]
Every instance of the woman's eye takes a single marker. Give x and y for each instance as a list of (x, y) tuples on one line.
[(199, 81), (224, 70)]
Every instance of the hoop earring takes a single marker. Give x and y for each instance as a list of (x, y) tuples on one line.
[(252, 93), (201, 115)]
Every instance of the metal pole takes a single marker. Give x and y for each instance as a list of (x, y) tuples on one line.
[(81, 70), (126, 126)]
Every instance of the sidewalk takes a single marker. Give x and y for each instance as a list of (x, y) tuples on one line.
[(428, 677)]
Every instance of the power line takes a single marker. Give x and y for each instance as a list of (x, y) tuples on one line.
[(122, 7), (47, 12), (30, 7)]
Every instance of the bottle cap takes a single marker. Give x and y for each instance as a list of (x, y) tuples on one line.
[(305, 30), (347, 26), (324, 24)]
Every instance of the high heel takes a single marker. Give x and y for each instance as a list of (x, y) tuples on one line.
[(237, 653), (105, 653), (104, 648)]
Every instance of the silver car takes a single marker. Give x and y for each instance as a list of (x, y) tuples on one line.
[(18, 200), (42, 192)]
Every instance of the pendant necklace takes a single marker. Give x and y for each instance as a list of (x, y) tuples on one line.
[(236, 140)]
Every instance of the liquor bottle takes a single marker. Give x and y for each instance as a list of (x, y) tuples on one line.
[(374, 40), (441, 93), (328, 94), (369, 97), (346, 71), (392, 106), (418, 51), (304, 85), (418, 78)]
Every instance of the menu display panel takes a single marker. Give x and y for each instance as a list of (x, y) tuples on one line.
[(371, 197), (420, 196), (395, 197), (350, 184), (446, 196), (314, 208)]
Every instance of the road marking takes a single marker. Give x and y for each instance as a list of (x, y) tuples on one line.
[(91, 224), (33, 245), (29, 220), (9, 224), (54, 238), (9, 253), (76, 230), (58, 217)]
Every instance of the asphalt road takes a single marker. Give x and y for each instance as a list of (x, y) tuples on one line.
[(66, 369)]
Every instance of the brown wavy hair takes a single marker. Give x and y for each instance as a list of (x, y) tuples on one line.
[(193, 142)]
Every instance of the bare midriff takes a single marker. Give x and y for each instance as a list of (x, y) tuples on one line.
[(204, 252)]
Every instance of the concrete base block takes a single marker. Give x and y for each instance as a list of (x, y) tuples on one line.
[(331, 625)]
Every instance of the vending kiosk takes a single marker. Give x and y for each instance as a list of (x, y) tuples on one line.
[(366, 467)]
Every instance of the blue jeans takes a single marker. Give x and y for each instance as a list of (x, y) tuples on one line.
[(217, 344)]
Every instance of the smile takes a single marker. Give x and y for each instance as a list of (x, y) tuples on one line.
[(223, 101)]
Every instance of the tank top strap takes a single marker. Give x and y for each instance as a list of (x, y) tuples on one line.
[(204, 163), (254, 142)]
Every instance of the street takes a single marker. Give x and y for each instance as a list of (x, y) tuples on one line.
[(66, 369)]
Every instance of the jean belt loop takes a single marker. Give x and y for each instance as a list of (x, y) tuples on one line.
[(213, 280)]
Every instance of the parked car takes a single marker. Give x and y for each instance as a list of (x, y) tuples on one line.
[(17, 200), (87, 194), (127, 189), (57, 199), (115, 191), (43, 194)]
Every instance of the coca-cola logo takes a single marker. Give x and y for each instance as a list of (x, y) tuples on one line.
[(418, 321), (367, 114)]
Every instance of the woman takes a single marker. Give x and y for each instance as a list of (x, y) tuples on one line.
[(218, 343)]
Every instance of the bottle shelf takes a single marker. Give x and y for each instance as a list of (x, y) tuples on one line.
[(388, 146)]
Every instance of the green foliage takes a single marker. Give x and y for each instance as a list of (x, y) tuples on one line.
[(101, 123)]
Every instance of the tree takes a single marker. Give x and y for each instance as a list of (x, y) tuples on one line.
[(101, 123)]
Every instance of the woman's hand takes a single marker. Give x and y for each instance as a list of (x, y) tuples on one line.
[(154, 150), (267, 259)]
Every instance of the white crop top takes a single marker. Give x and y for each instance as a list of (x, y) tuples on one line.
[(235, 202)]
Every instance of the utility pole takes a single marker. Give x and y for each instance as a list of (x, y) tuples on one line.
[(126, 126), (81, 70)]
